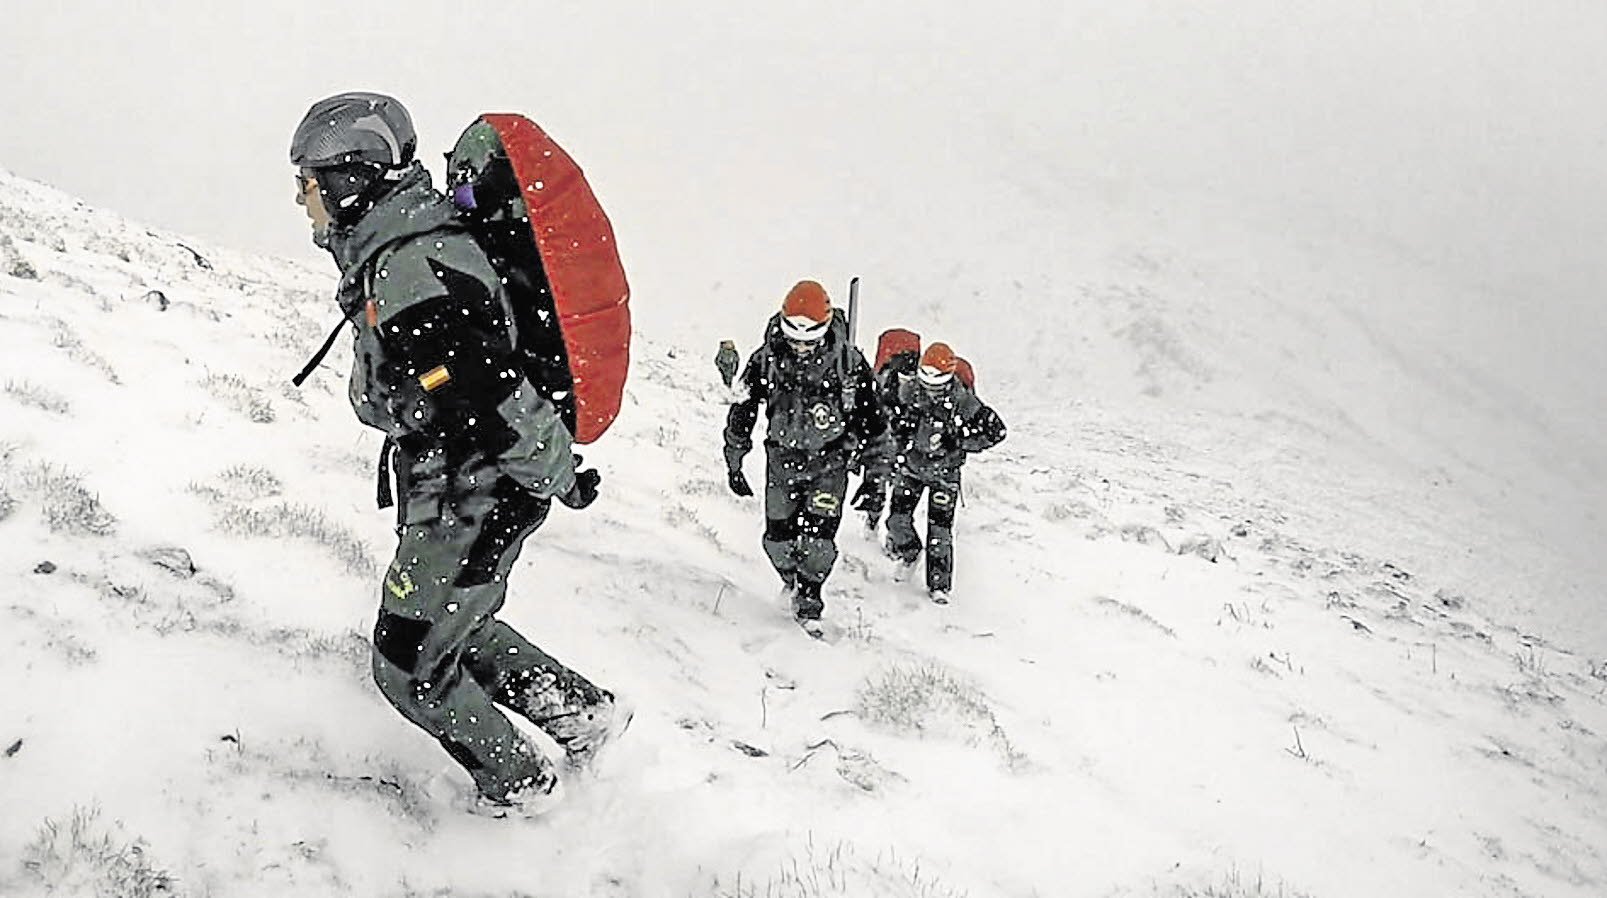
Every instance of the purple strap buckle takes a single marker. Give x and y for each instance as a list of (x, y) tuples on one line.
[(463, 196)]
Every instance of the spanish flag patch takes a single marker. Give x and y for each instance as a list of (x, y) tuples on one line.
[(434, 377)]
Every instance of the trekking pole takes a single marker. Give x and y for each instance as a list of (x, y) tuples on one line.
[(853, 311)]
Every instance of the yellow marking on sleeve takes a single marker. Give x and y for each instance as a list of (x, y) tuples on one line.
[(435, 377)]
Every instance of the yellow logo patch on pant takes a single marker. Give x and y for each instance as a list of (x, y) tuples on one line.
[(825, 502), (406, 588)]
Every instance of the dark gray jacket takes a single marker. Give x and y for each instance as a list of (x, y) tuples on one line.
[(819, 407), (933, 432), (433, 363)]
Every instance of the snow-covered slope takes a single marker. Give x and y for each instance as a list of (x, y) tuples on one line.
[(1185, 654)]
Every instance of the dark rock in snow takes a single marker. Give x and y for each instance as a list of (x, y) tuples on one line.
[(1204, 546), (156, 298), (172, 558), (13, 748), (200, 260), (45, 567)]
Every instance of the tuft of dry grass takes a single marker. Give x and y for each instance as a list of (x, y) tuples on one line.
[(241, 483), (286, 520), (925, 699), (842, 871), (1235, 884), (240, 396), (13, 263), (66, 339), (32, 394), (67, 506), (87, 856)]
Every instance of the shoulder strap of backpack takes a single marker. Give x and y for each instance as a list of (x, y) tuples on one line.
[(364, 275)]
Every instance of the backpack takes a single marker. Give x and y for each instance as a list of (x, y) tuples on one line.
[(962, 370), (527, 204), (894, 341)]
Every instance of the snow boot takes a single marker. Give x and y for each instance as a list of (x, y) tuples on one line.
[(902, 569), (529, 802), (607, 722), (806, 607)]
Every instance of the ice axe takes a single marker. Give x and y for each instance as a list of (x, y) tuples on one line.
[(853, 311)]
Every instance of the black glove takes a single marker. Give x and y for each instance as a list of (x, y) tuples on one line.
[(584, 492), (869, 495), (739, 483)]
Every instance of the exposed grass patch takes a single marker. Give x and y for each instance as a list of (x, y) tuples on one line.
[(241, 483), (240, 396), (8, 503), (31, 394), (1135, 612), (86, 856), (306, 765), (64, 338), (286, 520), (1236, 884), (67, 506), (13, 263), (927, 700), (842, 871)]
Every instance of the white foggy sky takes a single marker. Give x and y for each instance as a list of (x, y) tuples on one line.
[(1463, 137)]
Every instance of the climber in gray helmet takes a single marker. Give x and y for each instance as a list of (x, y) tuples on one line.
[(478, 454)]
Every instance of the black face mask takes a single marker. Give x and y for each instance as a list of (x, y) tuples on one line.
[(350, 190)]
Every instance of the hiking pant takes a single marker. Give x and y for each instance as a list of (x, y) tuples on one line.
[(442, 658), (943, 489), (803, 502), (878, 501)]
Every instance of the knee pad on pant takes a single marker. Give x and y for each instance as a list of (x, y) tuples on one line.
[(400, 639), (904, 499), (940, 509), (780, 530), (816, 525)]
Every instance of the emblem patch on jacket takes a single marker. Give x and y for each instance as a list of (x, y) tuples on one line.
[(823, 416)]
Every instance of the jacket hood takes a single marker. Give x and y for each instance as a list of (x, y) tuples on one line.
[(792, 366), (412, 207)]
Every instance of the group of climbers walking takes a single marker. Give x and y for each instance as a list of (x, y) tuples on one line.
[(905, 426)]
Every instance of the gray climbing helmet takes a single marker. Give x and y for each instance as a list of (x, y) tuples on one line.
[(354, 127)]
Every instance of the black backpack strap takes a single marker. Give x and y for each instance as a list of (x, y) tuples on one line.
[(318, 357), (382, 493)]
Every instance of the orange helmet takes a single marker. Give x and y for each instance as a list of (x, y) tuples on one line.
[(938, 364), (806, 312)]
